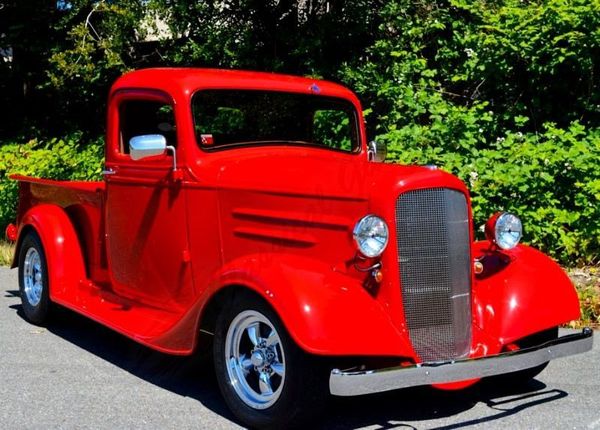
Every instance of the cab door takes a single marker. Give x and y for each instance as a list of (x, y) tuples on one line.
[(145, 215)]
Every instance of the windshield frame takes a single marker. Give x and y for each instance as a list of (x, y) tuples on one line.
[(355, 118)]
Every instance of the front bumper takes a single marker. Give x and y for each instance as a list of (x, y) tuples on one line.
[(353, 383)]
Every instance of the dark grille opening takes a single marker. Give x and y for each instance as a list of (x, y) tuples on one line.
[(435, 275)]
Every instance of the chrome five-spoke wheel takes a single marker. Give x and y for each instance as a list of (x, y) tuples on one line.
[(255, 359), (267, 381), (33, 277)]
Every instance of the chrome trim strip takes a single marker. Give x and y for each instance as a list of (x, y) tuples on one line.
[(353, 383)]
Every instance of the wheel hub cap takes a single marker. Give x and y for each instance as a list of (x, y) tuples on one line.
[(33, 280), (258, 358), (255, 359)]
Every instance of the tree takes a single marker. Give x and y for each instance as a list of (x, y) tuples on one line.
[(68, 53)]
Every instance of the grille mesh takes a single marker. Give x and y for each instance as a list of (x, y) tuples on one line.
[(434, 257)]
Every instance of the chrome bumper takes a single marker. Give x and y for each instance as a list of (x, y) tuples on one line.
[(353, 383)]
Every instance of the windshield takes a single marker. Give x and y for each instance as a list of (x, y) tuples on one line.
[(246, 117)]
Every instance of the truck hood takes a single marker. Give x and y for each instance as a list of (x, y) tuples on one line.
[(323, 174), (306, 201)]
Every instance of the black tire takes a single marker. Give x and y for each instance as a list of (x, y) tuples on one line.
[(302, 391), (33, 279), (522, 377)]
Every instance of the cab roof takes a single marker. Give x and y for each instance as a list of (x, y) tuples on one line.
[(189, 80)]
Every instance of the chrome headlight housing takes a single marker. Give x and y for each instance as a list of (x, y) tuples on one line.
[(371, 236), (504, 229)]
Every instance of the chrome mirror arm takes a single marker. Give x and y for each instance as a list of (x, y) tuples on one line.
[(173, 152)]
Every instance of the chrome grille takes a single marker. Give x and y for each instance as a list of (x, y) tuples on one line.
[(435, 274)]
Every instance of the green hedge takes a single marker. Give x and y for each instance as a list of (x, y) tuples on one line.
[(69, 158), (504, 95), (551, 180)]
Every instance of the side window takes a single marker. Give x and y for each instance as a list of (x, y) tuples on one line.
[(138, 117)]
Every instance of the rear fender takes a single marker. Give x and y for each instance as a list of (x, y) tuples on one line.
[(325, 311), (64, 258), (528, 294)]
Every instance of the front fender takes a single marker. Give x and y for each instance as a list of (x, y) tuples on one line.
[(325, 311), (528, 294), (64, 258)]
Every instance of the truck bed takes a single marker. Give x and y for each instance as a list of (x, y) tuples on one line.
[(74, 185), (82, 201), (34, 191)]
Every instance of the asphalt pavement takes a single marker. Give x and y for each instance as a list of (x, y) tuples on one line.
[(76, 374)]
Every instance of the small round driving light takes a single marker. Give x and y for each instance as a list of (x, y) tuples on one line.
[(504, 229), (371, 236), (377, 275)]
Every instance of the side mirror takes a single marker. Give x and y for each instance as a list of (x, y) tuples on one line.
[(377, 151), (147, 145)]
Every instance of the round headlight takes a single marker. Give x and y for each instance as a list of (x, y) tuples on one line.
[(371, 236), (504, 229)]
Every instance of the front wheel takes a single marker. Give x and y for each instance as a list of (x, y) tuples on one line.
[(265, 379), (33, 279)]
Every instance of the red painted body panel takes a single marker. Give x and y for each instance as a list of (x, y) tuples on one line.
[(144, 251), (324, 309), (136, 235), (81, 202), (61, 245), (532, 293), (11, 233)]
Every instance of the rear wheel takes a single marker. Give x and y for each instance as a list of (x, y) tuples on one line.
[(33, 279), (265, 379)]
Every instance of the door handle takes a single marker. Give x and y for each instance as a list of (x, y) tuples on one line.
[(108, 171)]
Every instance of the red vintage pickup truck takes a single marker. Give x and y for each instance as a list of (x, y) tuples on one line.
[(250, 207)]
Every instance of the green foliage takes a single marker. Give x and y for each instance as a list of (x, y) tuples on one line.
[(69, 56), (99, 36), (332, 128), (288, 35), (551, 180), (587, 283), (65, 159), (504, 65), (225, 120), (537, 60), (589, 300), (503, 95)]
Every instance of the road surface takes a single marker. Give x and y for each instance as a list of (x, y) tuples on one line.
[(78, 374)]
